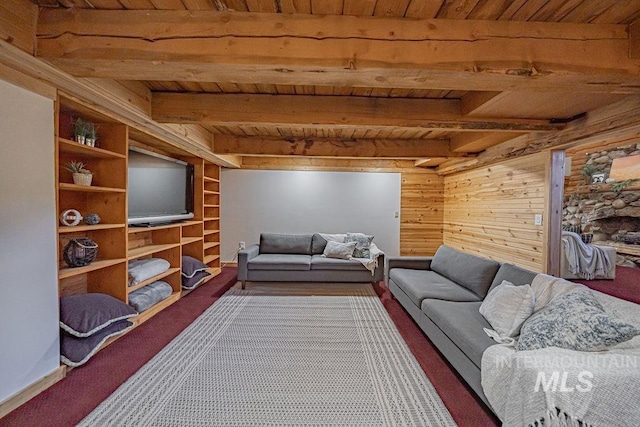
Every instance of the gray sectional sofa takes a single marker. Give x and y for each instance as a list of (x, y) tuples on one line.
[(443, 294), (298, 258)]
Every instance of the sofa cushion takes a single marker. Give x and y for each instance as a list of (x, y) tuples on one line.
[(285, 243), (318, 244), (462, 323), (472, 272), (319, 262), (421, 284), (512, 274), (280, 262)]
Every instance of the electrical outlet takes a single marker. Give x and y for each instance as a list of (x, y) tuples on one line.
[(241, 245), (537, 219)]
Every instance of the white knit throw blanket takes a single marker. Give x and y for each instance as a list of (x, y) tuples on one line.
[(585, 260), (558, 387)]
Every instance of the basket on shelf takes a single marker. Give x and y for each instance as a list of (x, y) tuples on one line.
[(82, 179), (80, 252)]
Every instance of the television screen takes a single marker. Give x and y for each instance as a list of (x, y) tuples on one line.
[(160, 188)]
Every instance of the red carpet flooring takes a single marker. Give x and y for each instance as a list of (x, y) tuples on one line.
[(70, 400), (67, 402), (625, 286)]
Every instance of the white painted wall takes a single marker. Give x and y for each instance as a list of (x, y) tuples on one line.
[(301, 202), (29, 342)]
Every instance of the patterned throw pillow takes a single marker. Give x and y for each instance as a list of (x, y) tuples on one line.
[(363, 243), (575, 321)]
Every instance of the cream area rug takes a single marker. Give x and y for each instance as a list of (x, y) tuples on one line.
[(281, 355)]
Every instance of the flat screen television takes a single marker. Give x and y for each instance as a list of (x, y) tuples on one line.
[(160, 188)]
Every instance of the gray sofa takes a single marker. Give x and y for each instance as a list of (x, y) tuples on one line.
[(298, 258), (443, 294)]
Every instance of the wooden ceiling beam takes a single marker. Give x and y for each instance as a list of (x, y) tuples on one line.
[(343, 50), (613, 120), (311, 110), (329, 147), (430, 162), (321, 164), (473, 101), (474, 142)]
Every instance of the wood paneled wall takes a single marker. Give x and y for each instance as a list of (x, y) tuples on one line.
[(421, 194), (489, 211), (421, 212), (18, 24)]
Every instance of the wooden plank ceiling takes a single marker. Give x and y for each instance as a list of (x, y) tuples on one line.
[(430, 80)]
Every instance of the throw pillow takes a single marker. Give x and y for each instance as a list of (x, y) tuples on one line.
[(191, 266), (83, 315), (507, 307), (363, 242), (339, 250), (76, 351), (195, 281), (575, 321)]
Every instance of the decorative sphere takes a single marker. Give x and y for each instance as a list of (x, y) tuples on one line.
[(92, 219), (70, 217)]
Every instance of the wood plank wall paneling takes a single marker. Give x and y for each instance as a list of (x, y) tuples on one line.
[(18, 24), (489, 211), (421, 212), (421, 194), (579, 153)]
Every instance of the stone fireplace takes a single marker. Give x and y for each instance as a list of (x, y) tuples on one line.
[(613, 217)]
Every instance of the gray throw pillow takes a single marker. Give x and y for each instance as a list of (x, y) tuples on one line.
[(83, 315), (76, 351), (363, 242), (191, 266), (194, 281), (574, 321)]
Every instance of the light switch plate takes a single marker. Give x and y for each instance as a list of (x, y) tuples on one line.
[(537, 219)]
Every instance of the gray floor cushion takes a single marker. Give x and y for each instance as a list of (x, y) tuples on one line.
[(319, 262), (421, 284), (462, 323), (280, 262)]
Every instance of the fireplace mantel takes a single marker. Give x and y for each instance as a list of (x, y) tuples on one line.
[(604, 188)]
